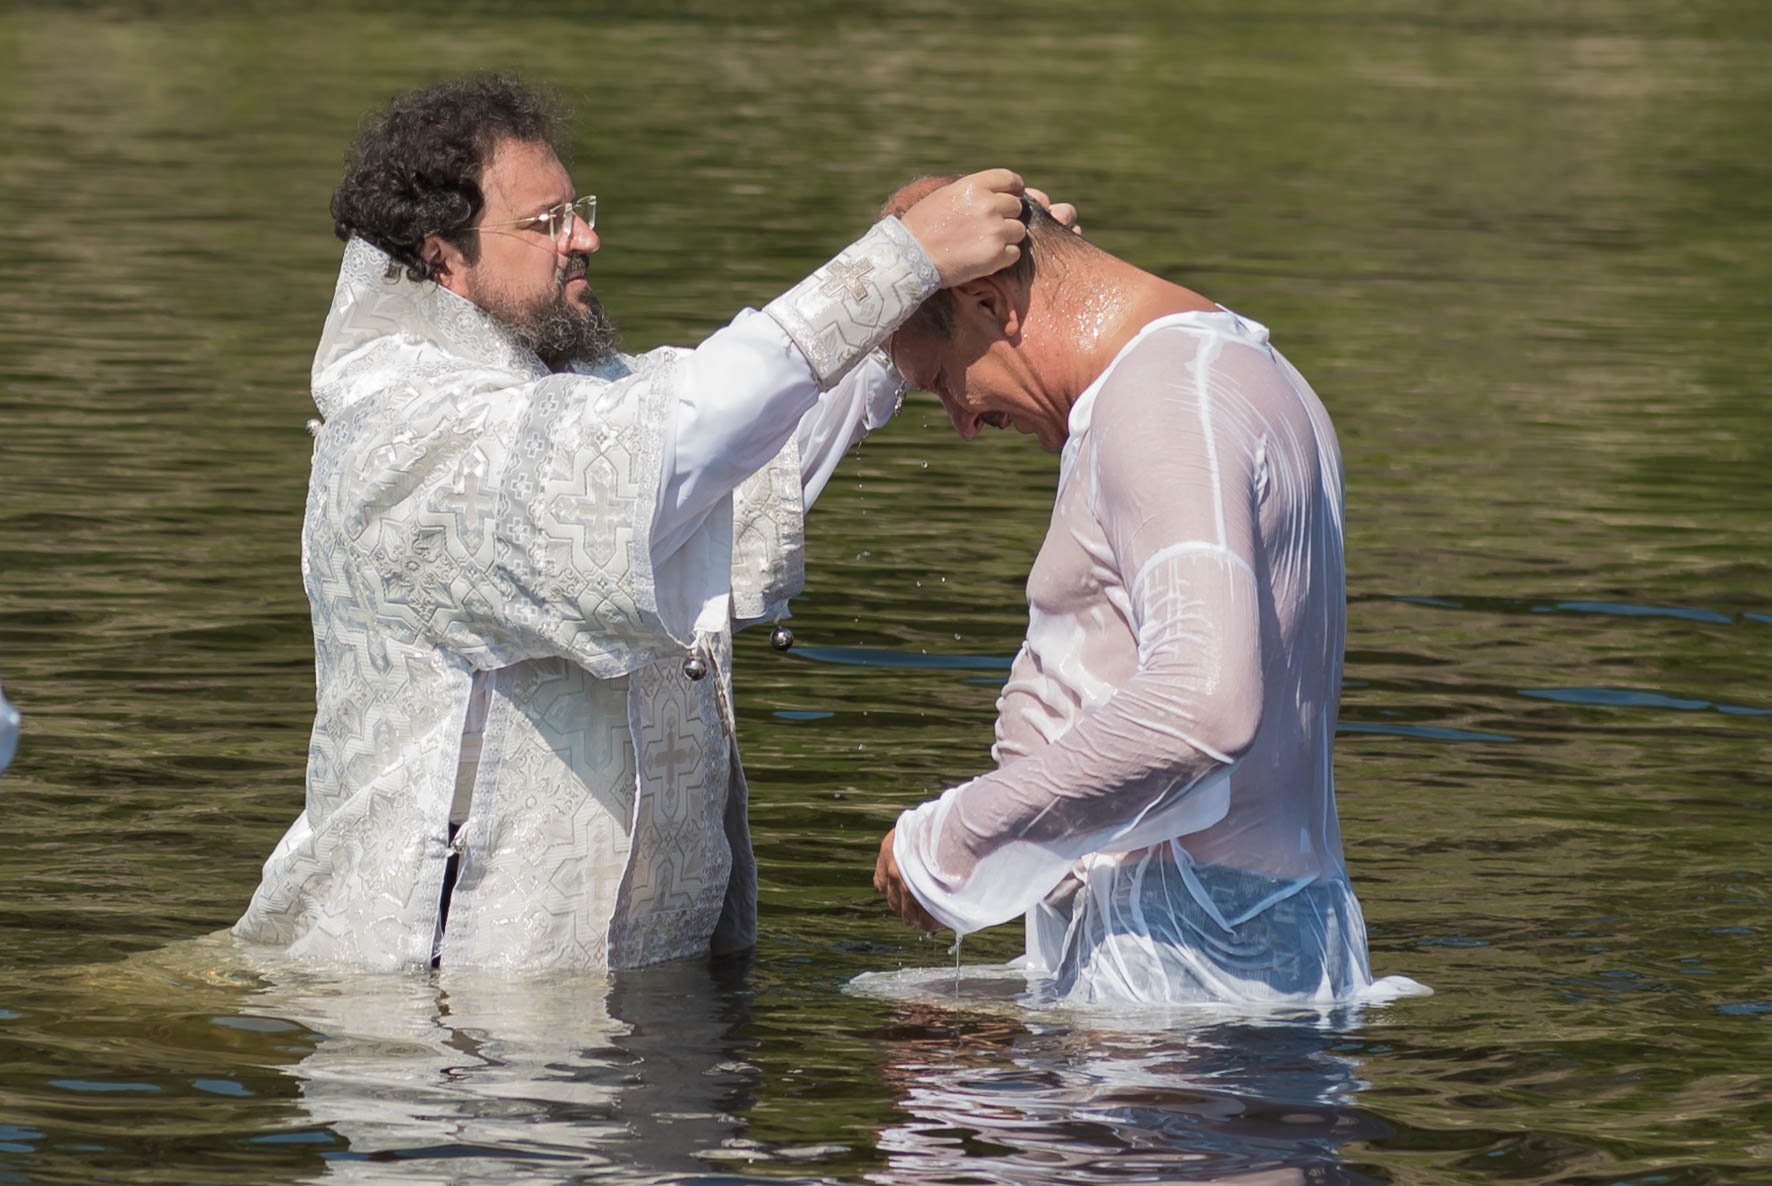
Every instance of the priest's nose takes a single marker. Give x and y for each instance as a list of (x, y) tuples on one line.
[(583, 240)]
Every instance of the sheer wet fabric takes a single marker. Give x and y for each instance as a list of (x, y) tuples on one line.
[(1163, 810)]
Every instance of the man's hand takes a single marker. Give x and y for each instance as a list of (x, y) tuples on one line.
[(898, 895), (970, 227)]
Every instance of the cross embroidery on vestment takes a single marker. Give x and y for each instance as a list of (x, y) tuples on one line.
[(848, 276), (471, 502), (681, 755)]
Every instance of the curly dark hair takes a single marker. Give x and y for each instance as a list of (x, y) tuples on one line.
[(415, 169)]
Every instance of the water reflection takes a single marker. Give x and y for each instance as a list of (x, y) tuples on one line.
[(1520, 249), (994, 1100), (473, 1077), (8, 731), (477, 1077)]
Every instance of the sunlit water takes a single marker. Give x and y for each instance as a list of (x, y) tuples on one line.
[(1520, 249)]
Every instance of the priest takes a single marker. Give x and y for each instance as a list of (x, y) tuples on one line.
[(525, 552)]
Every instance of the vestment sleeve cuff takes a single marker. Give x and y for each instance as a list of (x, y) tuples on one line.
[(841, 312), (886, 398)]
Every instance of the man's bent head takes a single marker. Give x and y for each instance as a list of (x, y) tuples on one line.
[(965, 343), (454, 183)]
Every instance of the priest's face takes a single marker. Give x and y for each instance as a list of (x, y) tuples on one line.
[(533, 282)]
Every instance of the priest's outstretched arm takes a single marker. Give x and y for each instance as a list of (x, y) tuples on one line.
[(806, 369)]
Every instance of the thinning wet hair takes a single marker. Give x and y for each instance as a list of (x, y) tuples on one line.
[(415, 168), (1048, 241)]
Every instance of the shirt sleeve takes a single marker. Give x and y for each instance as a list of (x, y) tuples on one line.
[(769, 508), (1176, 489), (861, 403), (806, 368), (736, 401)]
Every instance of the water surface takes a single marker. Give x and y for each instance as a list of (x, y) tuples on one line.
[(1521, 250)]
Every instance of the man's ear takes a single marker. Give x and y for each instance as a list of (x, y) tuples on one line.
[(991, 302), (447, 262)]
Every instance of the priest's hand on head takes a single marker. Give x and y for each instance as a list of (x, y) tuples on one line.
[(1064, 212), (970, 227), (898, 895)]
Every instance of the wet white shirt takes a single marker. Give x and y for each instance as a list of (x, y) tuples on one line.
[(1163, 811)]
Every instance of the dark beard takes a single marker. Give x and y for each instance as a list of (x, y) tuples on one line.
[(564, 333)]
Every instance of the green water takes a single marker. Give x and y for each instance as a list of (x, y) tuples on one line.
[(1522, 250)]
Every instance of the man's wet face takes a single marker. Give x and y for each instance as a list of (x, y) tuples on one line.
[(531, 283), (969, 380)]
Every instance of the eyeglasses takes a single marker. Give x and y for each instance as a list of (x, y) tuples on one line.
[(557, 222)]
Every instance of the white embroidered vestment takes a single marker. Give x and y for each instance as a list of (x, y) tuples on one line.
[(522, 559)]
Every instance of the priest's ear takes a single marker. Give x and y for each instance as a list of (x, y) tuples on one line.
[(447, 263)]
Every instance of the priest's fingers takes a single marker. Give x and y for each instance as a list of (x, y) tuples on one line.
[(1063, 212), (970, 227)]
